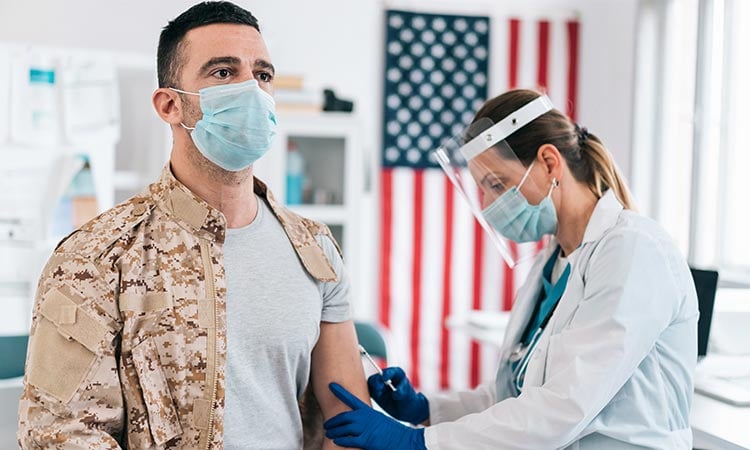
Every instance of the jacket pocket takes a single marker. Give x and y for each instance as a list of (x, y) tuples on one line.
[(64, 346), (143, 313), (162, 414)]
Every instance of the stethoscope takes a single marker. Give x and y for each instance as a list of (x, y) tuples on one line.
[(521, 355)]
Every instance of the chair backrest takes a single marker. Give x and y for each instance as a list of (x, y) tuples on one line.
[(12, 355), (706, 282), (371, 338)]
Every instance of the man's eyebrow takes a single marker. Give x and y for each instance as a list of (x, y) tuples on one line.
[(263, 64), (229, 60)]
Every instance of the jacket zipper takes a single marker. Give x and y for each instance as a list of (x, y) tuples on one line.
[(211, 288)]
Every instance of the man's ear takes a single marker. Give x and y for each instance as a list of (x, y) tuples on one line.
[(168, 105), (552, 159)]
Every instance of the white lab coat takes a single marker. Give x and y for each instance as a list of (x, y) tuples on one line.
[(613, 368)]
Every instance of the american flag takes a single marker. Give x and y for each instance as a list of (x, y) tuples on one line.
[(435, 260)]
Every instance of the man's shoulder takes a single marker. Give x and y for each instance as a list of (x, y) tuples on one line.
[(98, 234), (319, 230)]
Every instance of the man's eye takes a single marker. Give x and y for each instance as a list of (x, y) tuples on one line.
[(265, 77), (222, 73)]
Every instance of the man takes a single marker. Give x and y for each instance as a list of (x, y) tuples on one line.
[(194, 314)]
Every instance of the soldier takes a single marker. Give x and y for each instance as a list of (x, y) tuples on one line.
[(195, 314)]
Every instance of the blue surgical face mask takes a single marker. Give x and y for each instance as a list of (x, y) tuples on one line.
[(513, 217), (238, 124)]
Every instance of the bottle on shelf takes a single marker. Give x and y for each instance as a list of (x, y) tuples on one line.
[(295, 174)]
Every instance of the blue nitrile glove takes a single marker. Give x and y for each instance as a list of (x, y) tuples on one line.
[(404, 403), (363, 427)]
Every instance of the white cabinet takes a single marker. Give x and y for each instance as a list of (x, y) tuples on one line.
[(334, 179)]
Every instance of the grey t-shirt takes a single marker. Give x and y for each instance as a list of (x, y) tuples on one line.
[(274, 310)]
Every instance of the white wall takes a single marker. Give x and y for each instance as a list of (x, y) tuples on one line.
[(338, 43)]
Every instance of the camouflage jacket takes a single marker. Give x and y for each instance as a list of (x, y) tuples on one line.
[(128, 339)]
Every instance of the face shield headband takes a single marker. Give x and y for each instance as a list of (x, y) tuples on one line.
[(501, 130), (461, 161)]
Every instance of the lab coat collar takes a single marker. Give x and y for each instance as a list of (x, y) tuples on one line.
[(604, 217)]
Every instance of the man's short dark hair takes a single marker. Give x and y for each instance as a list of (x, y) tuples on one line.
[(169, 57)]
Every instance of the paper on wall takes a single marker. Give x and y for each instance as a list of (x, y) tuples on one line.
[(90, 98), (35, 106)]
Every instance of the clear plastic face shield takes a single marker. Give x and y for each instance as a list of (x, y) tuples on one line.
[(489, 176)]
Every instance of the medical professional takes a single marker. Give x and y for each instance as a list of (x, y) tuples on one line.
[(601, 345)]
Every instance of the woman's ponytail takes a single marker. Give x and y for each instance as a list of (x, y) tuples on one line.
[(604, 170), (587, 158)]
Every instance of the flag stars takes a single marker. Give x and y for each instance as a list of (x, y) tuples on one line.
[(435, 72), (396, 21)]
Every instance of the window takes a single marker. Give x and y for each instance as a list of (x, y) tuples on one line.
[(665, 86), (691, 104), (734, 256)]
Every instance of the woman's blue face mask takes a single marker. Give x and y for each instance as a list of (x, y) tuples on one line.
[(238, 124), (513, 217)]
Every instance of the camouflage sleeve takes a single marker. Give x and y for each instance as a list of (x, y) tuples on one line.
[(72, 396)]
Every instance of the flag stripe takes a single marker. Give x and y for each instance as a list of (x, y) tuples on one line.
[(447, 286), (401, 264), (491, 301), (515, 31), (543, 56), (558, 62), (433, 252), (461, 273), (476, 298), (572, 69), (542, 73), (417, 274), (499, 62), (515, 26), (528, 48), (386, 220)]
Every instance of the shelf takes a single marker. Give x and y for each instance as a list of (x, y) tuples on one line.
[(324, 160), (328, 214), (320, 124)]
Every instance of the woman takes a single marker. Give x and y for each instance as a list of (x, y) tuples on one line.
[(601, 345)]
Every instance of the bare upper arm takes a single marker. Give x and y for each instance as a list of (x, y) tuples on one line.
[(336, 358)]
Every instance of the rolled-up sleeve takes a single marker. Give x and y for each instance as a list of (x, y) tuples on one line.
[(336, 295)]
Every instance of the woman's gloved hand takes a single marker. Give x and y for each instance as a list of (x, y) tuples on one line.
[(365, 428), (404, 403)]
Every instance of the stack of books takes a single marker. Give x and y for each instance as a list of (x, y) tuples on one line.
[(292, 95)]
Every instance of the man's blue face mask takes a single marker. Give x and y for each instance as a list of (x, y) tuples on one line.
[(238, 124), (513, 216)]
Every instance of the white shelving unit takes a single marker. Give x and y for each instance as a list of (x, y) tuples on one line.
[(335, 179)]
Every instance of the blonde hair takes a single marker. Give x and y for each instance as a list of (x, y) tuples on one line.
[(586, 156), (605, 173)]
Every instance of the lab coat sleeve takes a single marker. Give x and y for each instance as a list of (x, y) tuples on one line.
[(629, 298), (449, 406)]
